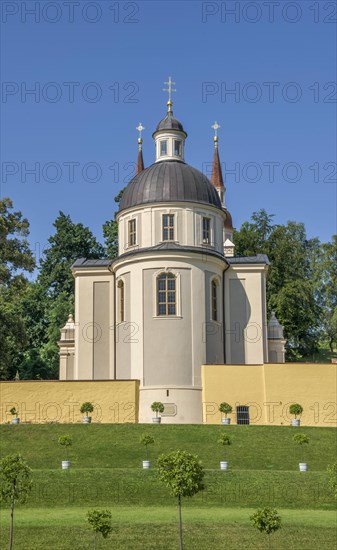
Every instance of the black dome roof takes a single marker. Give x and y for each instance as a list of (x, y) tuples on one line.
[(170, 123), (169, 181)]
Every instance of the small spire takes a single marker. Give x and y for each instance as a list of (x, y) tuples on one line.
[(216, 126), (140, 162), (169, 89), (216, 177)]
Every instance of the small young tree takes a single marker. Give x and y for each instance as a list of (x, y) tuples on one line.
[(267, 521), (100, 522), (225, 408), (146, 439), (332, 471), (86, 408), (225, 439), (14, 412), (66, 442), (15, 485), (296, 409), (301, 440), (157, 407), (183, 474)]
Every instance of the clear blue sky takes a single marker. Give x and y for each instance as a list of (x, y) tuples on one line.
[(98, 69)]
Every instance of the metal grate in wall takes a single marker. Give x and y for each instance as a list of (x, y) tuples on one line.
[(242, 414)]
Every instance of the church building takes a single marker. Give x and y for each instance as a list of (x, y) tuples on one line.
[(176, 297)]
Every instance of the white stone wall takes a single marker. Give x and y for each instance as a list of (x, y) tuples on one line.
[(188, 225)]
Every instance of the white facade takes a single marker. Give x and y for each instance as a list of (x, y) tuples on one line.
[(171, 301)]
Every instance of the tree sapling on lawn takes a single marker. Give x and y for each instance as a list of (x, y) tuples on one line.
[(266, 520), (224, 440), (183, 474), (100, 522), (146, 439), (65, 441), (15, 485)]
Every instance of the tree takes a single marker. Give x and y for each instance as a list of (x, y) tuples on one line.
[(66, 441), (183, 474), (48, 302), (146, 439), (69, 242), (15, 259), (110, 232), (328, 291), (157, 407), (15, 485), (15, 255), (292, 277), (267, 521), (100, 522)]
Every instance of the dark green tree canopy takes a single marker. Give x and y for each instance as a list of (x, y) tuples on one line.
[(15, 255), (69, 242), (292, 277)]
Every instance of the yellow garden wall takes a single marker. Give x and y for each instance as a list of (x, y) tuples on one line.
[(269, 389), (115, 401)]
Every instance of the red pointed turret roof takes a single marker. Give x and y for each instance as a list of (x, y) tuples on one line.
[(140, 162), (216, 177)]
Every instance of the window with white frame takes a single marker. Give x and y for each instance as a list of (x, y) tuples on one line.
[(163, 148), (132, 232), (206, 230), (168, 227), (177, 147), (166, 294)]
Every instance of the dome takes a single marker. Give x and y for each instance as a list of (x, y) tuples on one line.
[(228, 221), (169, 181), (170, 123)]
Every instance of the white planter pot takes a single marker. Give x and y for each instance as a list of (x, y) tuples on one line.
[(156, 420), (223, 465), (65, 464), (15, 420), (225, 421), (146, 464), (86, 419), (303, 466), (295, 422)]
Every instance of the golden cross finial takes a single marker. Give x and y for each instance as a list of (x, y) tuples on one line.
[(140, 128), (169, 88), (216, 126)]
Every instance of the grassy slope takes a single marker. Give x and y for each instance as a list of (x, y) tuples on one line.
[(107, 472)]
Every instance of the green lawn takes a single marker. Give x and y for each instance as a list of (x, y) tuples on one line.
[(106, 472)]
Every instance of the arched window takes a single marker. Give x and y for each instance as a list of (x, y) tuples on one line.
[(121, 301), (166, 294), (214, 300)]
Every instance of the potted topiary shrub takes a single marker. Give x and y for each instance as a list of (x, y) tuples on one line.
[(301, 439), (146, 439), (86, 408), (157, 407), (15, 415), (224, 440), (225, 408), (65, 441), (296, 409)]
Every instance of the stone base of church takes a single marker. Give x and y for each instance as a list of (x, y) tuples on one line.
[(183, 405)]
